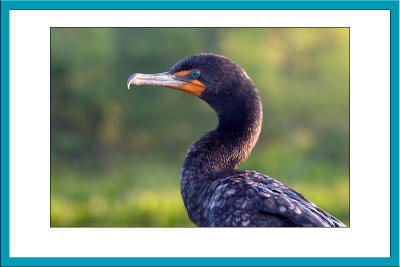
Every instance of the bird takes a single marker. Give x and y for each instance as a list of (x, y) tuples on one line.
[(215, 193)]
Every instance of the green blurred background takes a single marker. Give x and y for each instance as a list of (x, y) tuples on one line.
[(116, 155)]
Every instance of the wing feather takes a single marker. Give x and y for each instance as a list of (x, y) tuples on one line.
[(248, 198)]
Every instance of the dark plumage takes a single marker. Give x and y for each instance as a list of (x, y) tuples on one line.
[(214, 192)]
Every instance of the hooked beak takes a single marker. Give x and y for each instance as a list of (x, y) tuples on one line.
[(166, 79)]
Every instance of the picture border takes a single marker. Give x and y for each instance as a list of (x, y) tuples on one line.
[(393, 6)]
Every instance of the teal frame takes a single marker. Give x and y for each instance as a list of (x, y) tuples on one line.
[(393, 6)]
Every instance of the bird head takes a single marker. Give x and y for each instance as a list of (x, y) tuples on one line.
[(208, 76)]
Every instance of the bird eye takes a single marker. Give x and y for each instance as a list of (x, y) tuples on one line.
[(195, 74)]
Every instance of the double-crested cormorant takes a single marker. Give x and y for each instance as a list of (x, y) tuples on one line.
[(214, 192)]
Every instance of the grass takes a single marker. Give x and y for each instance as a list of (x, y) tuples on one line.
[(140, 193)]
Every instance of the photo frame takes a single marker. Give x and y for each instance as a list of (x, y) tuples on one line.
[(11, 230)]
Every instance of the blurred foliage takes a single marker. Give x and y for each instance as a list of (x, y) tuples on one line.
[(116, 155)]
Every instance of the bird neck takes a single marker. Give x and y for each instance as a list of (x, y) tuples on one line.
[(239, 126)]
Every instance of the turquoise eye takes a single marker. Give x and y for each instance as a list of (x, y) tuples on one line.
[(195, 74)]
